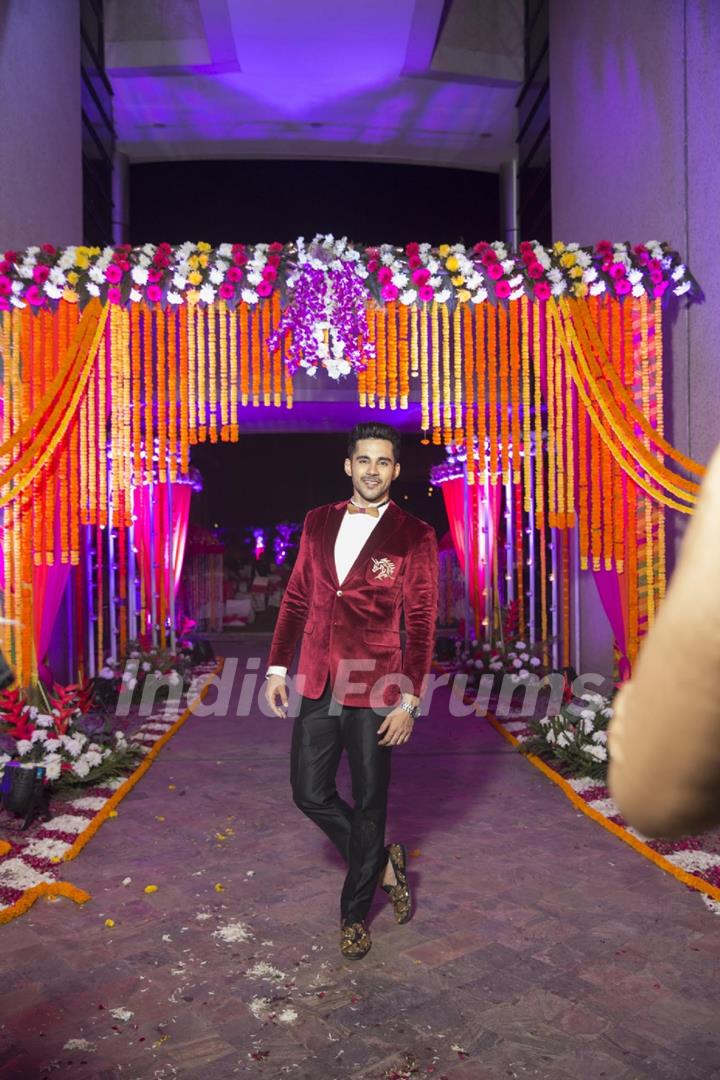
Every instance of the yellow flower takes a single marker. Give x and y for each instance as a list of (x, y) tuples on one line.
[(110, 923), (171, 787), (194, 261), (444, 251), (94, 251), (82, 250), (82, 262), (463, 295), (219, 836), (204, 246), (113, 813), (559, 247), (150, 888), (576, 272), (72, 277), (219, 887), (458, 280), (568, 259), (55, 858), (581, 289), (71, 296), (195, 278), (452, 263), (204, 260)]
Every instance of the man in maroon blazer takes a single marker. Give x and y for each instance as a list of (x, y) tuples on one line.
[(362, 564)]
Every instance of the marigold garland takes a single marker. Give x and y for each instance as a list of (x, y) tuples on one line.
[(404, 352), (491, 360), (435, 362), (162, 403), (392, 353), (447, 418), (469, 358)]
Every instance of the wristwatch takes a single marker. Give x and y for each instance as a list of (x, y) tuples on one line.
[(411, 710)]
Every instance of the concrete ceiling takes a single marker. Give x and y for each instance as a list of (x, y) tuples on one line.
[(417, 81)]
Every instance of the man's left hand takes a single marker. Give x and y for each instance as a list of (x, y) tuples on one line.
[(397, 727)]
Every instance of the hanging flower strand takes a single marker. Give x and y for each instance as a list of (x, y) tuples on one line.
[(326, 314)]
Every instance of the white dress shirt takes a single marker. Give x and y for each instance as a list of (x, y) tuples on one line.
[(353, 534)]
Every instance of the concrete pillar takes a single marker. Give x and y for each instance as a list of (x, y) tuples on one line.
[(635, 124), (40, 123)]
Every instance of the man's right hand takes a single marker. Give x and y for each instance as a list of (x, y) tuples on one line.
[(277, 695)]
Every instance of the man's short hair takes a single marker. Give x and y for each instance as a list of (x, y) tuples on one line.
[(374, 431)]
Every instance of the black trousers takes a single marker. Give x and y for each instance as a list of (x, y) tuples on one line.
[(358, 833)]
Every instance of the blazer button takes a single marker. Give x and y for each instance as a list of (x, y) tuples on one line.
[(339, 592)]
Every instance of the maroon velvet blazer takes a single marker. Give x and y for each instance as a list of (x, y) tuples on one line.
[(351, 632)]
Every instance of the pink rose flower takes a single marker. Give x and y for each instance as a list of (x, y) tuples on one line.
[(660, 289), (226, 290), (5, 266), (622, 286), (421, 276), (34, 296), (237, 247), (412, 248), (617, 272), (656, 276), (154, 275), (113, 273), (49, 249), (525, 247), (655, 264), (40, 274), (269, 273), (234, 274), (604, 248), (640, 249), (163, 247), (4, 304), (414, 261), (426, 293), (494, 271), (372, 265), (502, 290), (275, 247), (606, 264), (265, 288), (535, 271), (154, 293), (390, 292), (240, 258), (384, 275), (114, 295), (542, 291), (5, 285), (481, 247), (489, 258)]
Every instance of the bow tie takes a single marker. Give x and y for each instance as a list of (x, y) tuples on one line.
[(373, 511)]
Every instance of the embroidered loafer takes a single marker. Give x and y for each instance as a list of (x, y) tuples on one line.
[(399, 893), (354, 939)]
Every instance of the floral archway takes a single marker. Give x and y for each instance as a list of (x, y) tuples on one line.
[(543, 368)]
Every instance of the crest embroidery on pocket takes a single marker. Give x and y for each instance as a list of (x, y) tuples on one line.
[(382, 568)]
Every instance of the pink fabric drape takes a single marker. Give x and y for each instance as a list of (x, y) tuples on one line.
[(454, 496), (613, 597), (155, 542)]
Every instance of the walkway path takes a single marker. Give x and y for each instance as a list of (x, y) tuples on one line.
[(541, 946)]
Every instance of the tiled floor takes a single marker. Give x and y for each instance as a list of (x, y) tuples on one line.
[(541, 946)]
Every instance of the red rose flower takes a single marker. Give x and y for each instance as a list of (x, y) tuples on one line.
[(154, 275), (276, 247), (481, 247), (384, 275), (489, 258), (11, 256), (269, 273), (240, 258), (535, 271), (412, 248), (604, 248), (414, 261), (49, 249), (273, 260), (372, 265)]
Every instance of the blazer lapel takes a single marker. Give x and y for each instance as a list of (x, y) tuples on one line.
[(330, 532)]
